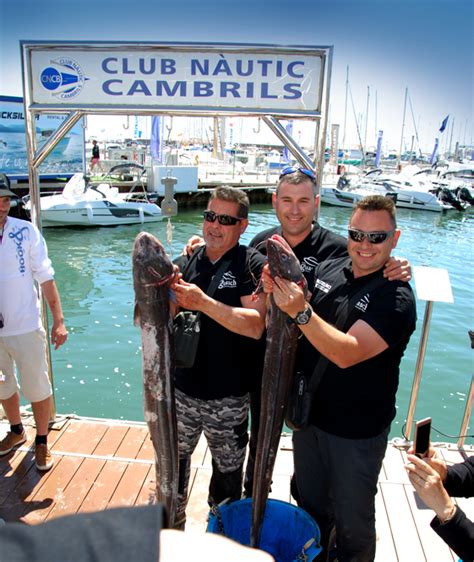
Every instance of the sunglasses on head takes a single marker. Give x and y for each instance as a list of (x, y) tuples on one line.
[(224, 220), (373, 237), (292, 169)]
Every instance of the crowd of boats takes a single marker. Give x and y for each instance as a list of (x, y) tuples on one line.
[(443, 187), (100, 200)]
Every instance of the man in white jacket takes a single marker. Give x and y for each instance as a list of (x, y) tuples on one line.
[(23, 341)]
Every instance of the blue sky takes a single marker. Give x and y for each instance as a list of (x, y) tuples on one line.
[(389, 45)]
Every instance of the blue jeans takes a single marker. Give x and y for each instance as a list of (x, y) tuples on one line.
[(337, 482)]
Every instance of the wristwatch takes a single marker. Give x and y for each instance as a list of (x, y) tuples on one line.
[(303, 317)]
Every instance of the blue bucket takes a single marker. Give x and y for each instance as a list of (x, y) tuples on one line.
[(288, 533)]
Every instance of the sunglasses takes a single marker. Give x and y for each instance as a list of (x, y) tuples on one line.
[(372, 237), (292, 169), (224, 220)]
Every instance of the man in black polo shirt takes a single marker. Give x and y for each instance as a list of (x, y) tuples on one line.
[(212, 396), (295, 203), (339, 456)]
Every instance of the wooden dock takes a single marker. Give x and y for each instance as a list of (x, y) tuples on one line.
[(101, 464)]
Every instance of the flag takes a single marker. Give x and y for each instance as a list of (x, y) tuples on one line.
[(443, 124), (286, 152), (379, 149), (156, 141), (435, 150)]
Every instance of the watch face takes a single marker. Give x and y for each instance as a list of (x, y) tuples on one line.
[(303, 317)]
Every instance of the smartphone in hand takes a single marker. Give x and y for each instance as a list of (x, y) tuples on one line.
[(421, 443)]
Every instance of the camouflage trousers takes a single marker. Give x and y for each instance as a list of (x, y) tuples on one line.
[(224, 422)]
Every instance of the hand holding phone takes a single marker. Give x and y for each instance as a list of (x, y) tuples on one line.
[(421, 443)]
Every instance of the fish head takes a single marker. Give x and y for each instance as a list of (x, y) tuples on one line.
[(283, 262), (151, 265)]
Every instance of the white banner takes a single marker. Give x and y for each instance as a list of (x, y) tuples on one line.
[(277, 80)]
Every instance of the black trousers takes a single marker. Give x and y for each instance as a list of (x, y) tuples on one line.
[(337, 482)]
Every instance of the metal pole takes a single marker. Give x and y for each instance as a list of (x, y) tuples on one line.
[(418, 368), (345, 110), (403, 127), (467, 416), (366, 119), (288, 141)]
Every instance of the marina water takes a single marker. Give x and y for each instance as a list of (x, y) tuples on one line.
[(97, 372)]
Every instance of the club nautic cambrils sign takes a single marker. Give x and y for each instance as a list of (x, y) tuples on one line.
[(185, 77)]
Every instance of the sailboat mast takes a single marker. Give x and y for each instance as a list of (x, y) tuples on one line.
[(403, 126), (345, 109), (375, 124), (366, 119)]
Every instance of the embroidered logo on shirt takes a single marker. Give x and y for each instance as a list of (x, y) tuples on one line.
[(17, 237), (322, 286), (363, 303), (228, 281), (308, 264)]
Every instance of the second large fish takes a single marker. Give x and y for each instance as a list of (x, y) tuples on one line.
[(282, 336), (152, 275)]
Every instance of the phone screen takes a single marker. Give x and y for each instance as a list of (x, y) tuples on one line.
[(422, 437)]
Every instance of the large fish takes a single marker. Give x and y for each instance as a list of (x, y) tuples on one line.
[(282, 336), (152, 275)]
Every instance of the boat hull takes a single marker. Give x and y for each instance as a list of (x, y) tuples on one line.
[(100, 213), (403, 199)]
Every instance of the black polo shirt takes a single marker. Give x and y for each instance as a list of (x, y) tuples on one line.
[(359, 401), (224, 361), (320, 244)]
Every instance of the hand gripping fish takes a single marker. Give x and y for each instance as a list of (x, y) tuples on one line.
[(282, 336), (152, 275)]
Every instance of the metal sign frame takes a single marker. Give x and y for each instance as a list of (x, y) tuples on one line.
[(57, 75)]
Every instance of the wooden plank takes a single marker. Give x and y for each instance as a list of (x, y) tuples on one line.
[(280, 488), (51, 490), (198, 508), (80, 437), (132, 442), (394, 465), (401, 523), (104, 487), (127, 490), (111, 440), (385, 547), (147, 493), (201, 454), (16, 466), (284, 462), (25, 488), (77, 488), (146, 451), (434, 547)]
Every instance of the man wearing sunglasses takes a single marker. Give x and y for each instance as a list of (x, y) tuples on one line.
[(339, 456), (295, 203), (212, 395)]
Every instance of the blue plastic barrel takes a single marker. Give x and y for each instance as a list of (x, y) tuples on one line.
[(288, 533)]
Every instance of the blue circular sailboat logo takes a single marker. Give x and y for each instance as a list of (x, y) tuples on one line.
[(64, 78)]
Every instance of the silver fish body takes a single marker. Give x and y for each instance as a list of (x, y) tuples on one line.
[(152, 274), (280, 351)]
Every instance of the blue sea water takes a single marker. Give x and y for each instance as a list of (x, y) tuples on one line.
[(98, 371)]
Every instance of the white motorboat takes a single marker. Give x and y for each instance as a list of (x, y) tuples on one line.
[(407, 199), (83, 204), (408, 192)]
